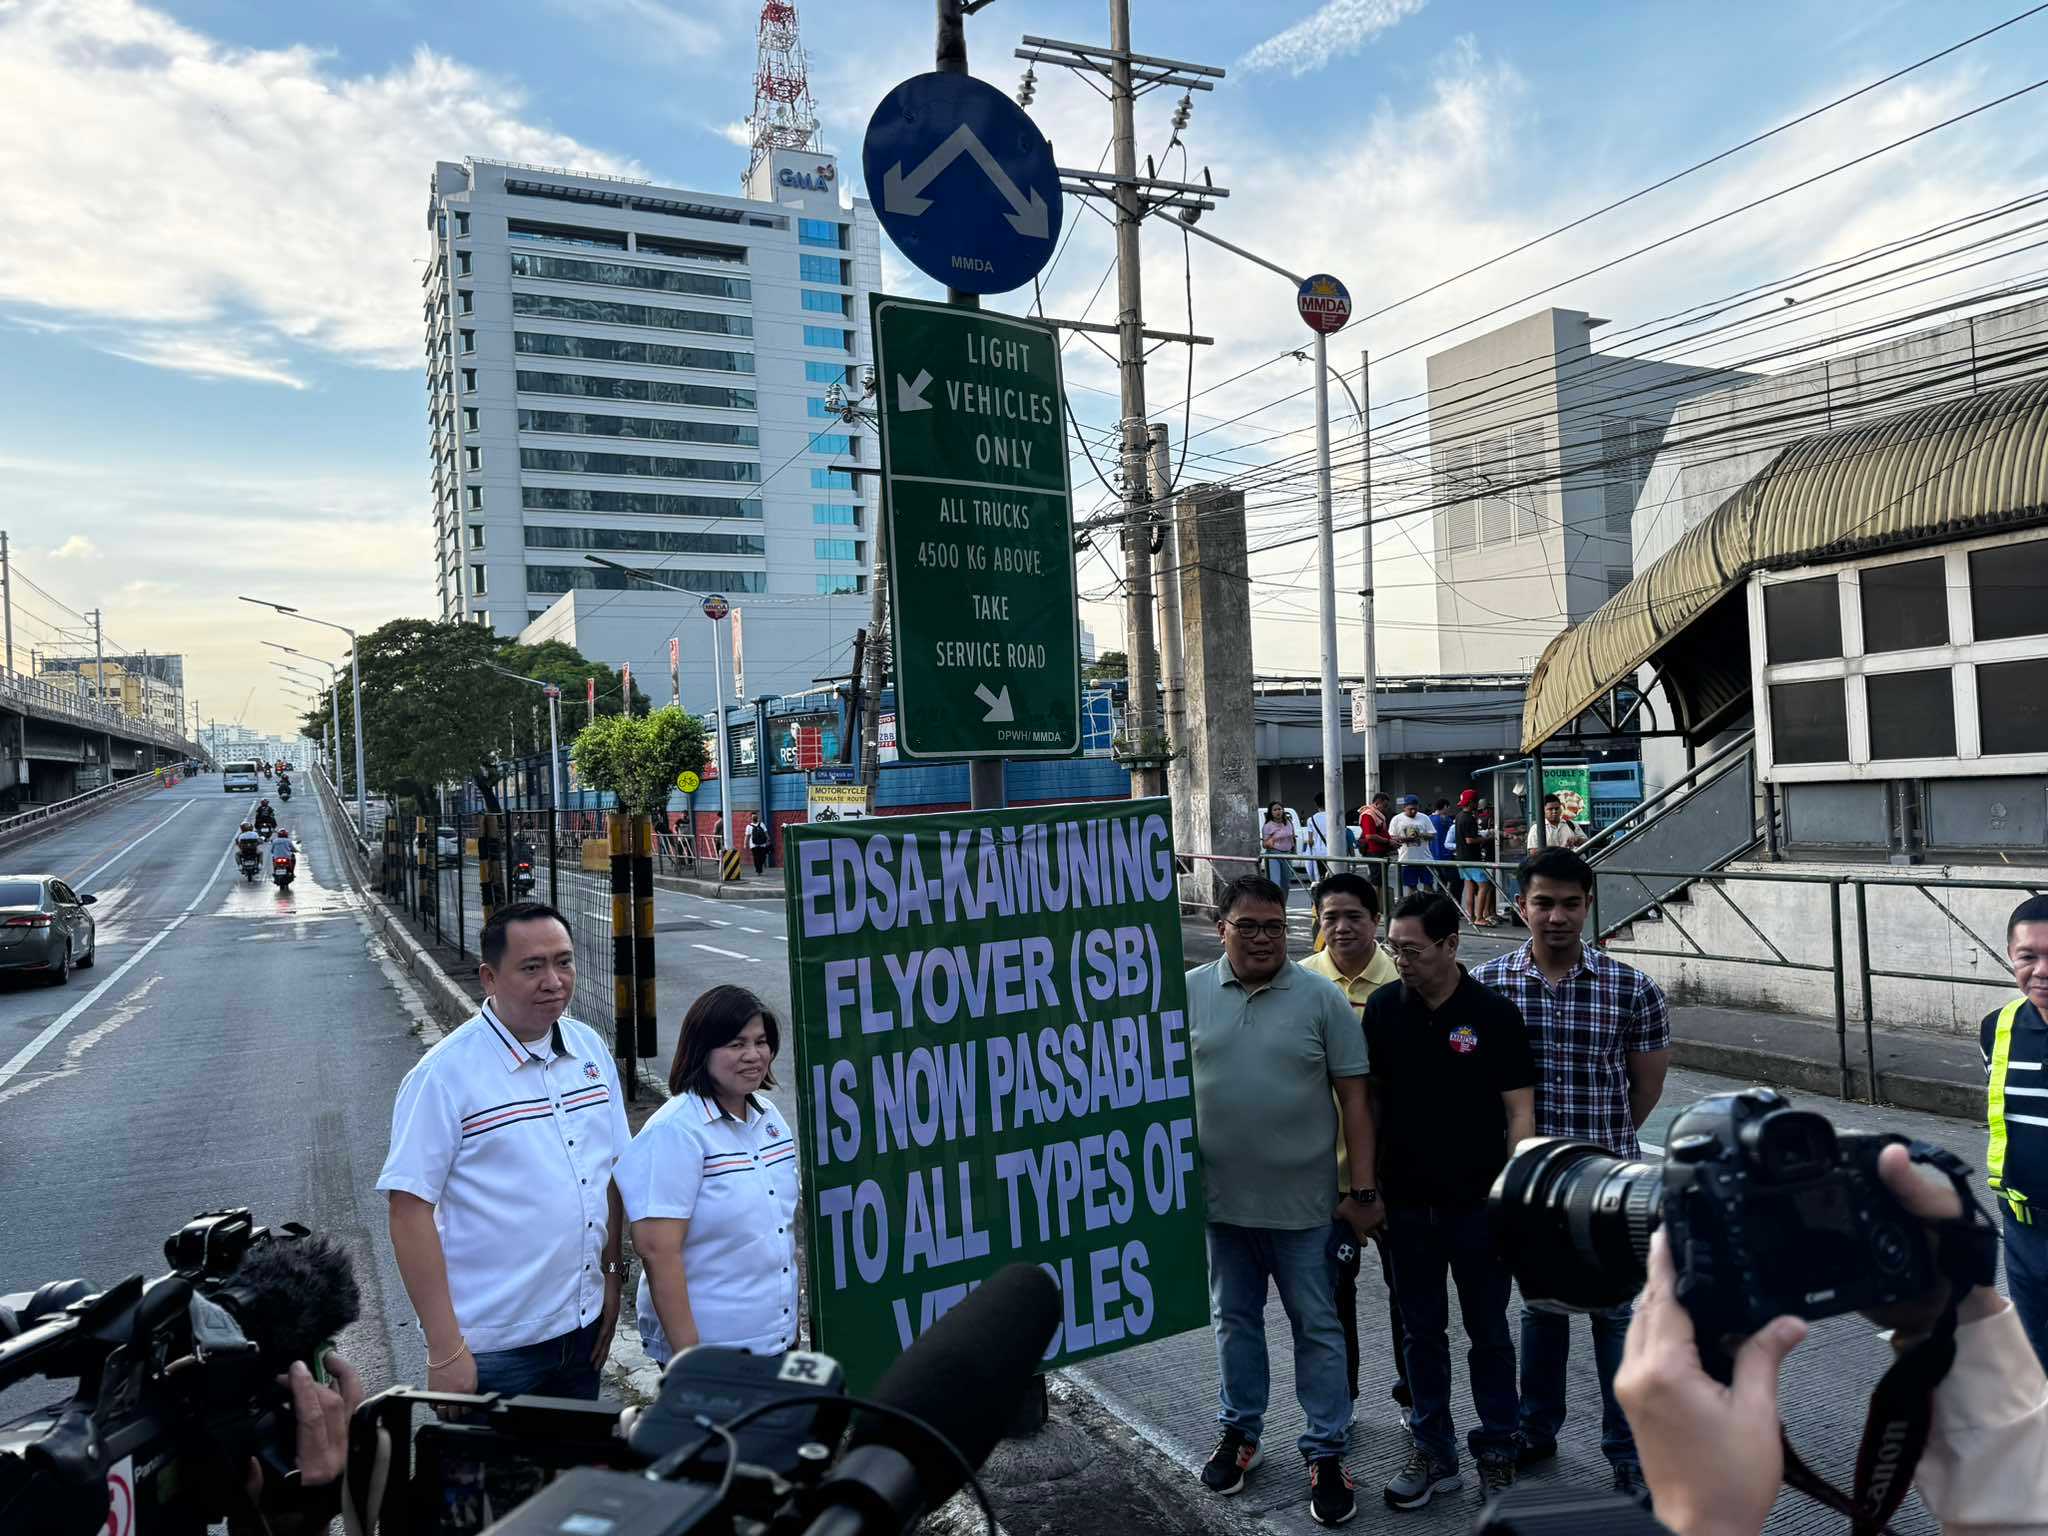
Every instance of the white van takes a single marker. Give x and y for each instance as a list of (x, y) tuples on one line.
[(239, 776)]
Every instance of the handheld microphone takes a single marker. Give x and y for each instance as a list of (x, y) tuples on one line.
[(293, 1294), (964, 1377)]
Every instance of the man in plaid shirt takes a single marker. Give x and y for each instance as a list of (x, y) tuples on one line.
[(1601, 1034)]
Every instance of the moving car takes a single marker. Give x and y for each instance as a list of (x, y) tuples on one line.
[(44, 927), (446, 844), (239, 776)]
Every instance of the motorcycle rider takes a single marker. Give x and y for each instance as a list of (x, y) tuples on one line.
[(266, 818), (282, 847), (247, 844)]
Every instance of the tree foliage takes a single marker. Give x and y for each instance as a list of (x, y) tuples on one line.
[(637, 757), (435, 713), (1107, 664)]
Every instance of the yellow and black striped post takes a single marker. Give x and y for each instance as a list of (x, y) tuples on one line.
[(643, 934), (388, 876), (625, 997), (731, 863), (487, 866), (423, 835)]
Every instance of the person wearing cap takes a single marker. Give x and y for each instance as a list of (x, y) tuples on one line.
[(1412, 833), (1469, 842)]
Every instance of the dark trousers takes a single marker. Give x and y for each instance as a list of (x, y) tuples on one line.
[(760, 861), (1430, 1245), (1347, 1318), (2026, 1278), (557, 1367), (1546, 1346)]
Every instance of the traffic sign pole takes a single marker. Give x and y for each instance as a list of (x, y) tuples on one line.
[(715, 610)]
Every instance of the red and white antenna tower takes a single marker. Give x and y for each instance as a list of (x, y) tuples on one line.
[(784, 115)]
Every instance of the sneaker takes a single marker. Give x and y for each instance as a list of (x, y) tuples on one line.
[(1496, 1475), (1402, 1395), (1628, 1482), (1235, 1455), (1422, 1480), (1529, 1453), (1331, 1500)]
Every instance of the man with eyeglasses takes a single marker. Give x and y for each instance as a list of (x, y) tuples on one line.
[(1347, 910), (1454, 1089), (1279, 1063)]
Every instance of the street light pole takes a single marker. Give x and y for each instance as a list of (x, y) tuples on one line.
[(355, 678), (1370, 736), (333, 741)]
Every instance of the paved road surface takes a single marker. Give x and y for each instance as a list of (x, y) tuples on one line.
[(233, 1045)]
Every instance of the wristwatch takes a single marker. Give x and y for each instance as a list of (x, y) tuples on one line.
[(613, 1267), (1364, 1196)]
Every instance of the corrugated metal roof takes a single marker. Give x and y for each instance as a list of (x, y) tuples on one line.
[(1935, 473)]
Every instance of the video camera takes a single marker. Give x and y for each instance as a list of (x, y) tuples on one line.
[(735, 1443), (1769, 1210), (177, 1379)]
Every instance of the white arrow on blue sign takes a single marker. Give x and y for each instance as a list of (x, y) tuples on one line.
[(964, 181)]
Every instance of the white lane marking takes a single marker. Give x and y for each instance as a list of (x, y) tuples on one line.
[(152, 832), (718, 922), (730, 954), (745, 929), (28, 1053), (123, 1012), (783, 936)]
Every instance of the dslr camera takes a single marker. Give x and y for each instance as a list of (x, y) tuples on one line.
[(177, 1380), (1768, 1209)]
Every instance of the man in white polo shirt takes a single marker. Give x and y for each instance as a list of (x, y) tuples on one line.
[(504, 1217)]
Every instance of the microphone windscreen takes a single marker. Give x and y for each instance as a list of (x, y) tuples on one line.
[(965, 1375), (293, 1294)]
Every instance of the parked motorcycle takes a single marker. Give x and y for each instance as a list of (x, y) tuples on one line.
[(281, 871)]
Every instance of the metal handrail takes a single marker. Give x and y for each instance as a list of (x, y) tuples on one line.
[(61, 808), (61, 701), (1692, 778)]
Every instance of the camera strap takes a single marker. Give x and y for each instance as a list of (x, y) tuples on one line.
[(1902, 1406)]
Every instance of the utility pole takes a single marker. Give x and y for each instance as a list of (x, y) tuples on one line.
[(1166, 585), (1135, 196), (1371, 734), (985, 775), (876, 661), (7, 599), (99, 657)]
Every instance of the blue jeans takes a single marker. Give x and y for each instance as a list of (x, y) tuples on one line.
[(2026, 1279), (557, 1367), (1546, 1345), (1241, 1261), (1429, 1243), (1279, 870)]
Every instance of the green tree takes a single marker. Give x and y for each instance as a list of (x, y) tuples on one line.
[(637, 757), (1107, 664), (435, 713)]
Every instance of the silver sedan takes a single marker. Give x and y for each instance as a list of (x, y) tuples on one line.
[(44, 927)]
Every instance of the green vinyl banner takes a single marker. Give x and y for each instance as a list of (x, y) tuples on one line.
[(992, 1049)]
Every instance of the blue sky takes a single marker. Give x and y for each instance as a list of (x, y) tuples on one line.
[(209, 318)]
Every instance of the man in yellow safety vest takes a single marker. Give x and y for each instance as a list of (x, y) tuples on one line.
[(2015, 1042)]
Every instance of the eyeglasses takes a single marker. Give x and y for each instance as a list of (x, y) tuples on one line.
[(1245, 928), (1408, 952)]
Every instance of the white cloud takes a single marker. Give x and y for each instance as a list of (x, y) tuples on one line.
[(737, 133), (1338, 29), (77, 547), (650, 26), (159, 181), (204, 356)]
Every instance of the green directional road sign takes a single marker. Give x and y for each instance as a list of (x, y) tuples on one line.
[(980, 517)]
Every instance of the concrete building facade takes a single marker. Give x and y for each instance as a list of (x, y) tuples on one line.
[(1538, 446), (640, 372)]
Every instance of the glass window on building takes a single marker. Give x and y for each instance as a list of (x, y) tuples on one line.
[(830, 442), (822, 336), (841, 586), (836, 549), (2006, 587), (817, 408), (1810, 721), (821, 269), (1912, 714), (817, 300), (829, 373), (845, 517), (1905, 606), (1803, 622), (831, 480), (2012, 698), (824, 232)]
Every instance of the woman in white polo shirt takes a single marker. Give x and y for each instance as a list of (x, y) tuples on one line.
[(709, 1185)]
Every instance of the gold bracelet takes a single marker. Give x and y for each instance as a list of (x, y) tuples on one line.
[(460, 1350)]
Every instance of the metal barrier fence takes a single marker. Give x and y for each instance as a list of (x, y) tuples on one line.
[(1829, 934), (43, 816)]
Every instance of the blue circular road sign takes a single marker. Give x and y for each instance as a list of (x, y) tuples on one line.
[(963, 182)]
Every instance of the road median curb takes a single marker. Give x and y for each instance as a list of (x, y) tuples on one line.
[(1935, 1096)]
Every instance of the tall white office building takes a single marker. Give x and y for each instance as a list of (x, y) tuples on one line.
[(640, 372)]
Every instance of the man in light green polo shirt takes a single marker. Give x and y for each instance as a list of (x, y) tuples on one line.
[(1348, 914), (1270, 1042)]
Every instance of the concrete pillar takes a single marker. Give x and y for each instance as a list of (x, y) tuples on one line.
[(1214, 782)]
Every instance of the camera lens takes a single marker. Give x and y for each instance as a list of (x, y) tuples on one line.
[(1574, 1221)]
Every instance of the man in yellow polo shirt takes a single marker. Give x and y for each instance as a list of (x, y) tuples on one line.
[(1347, 908)]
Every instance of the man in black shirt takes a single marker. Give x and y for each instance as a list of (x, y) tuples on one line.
[(1454, 1084)]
